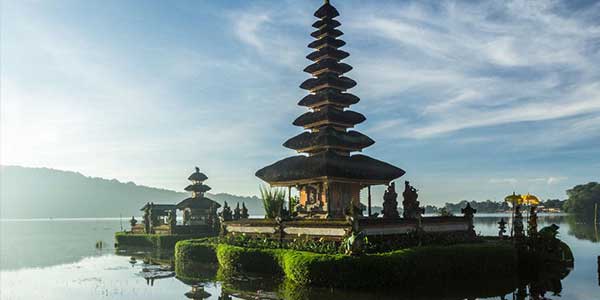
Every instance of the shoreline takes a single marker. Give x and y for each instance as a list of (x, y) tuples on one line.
[(478, 215)]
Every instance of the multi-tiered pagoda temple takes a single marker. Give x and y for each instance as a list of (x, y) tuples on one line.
[(198, 210), (329, 177)]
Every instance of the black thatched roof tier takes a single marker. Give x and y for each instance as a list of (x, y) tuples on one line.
[(198, 202), (329, 96), (328, 80), (326, 32), (326, 22), (329, 137), (327, 52), (329, 164), (197, 176), (327, 42), (331, 65), (329, 115), (326, 11), (159, 207), (198, 188)]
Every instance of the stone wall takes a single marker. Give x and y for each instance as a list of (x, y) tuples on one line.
[(337, 229)]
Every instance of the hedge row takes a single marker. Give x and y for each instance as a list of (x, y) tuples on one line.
[(195, 259), (158, 241), (402, 268)]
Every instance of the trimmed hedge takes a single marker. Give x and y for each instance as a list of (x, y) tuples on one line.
[(195, 259), (402, 268), (159, 241)]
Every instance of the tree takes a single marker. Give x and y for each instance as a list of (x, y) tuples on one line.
[(582, 199)]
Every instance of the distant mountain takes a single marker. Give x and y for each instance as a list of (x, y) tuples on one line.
[(43, 193)]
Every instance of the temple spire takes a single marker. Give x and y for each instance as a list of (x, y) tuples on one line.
[(328, 174)]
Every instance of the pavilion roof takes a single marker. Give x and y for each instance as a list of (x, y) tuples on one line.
[(327, 41), (329, 137), (329, 115), (197, 176), (330, 65), (326, 11), (331, 23), (327, 52), (328, 164), (197, 187), (328, 80), (161, 207), (198, 202), (331, 96)]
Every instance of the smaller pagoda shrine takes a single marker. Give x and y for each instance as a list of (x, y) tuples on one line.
[(198, 210)]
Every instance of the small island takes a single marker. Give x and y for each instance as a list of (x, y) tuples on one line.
[(324, 237)]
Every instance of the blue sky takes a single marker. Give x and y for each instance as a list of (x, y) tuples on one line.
[(473, 99)]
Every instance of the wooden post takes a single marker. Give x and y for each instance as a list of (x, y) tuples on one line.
[(369, 200)]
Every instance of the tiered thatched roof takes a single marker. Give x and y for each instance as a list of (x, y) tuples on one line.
[(198, 188), (329, 143)]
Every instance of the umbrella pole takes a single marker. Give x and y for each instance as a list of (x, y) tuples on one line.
[(512, 221)]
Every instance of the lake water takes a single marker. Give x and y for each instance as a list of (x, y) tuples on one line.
[(58, 259)]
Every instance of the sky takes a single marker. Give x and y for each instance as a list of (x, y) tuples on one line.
[(473, 99)]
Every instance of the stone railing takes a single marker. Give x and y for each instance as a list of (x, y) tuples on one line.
[(380, 226), (334, 229), (337, 229)]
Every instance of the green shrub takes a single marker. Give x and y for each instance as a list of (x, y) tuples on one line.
[(253, 260), (302, 243), (273, 200), (159, 241), (398, 268), (195, 259)]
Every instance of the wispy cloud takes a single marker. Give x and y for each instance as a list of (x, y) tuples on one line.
[(549, 180), (512, 181), (473, 65)]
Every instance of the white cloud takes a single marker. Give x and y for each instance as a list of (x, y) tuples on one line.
[(549, 180), (511, 181)]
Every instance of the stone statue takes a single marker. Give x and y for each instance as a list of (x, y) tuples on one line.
[(501, 228), (410, 203), (133, 221), (226, 213), (244, 214), (390, 204), (186, 217), (237, 212), (469, 213), (172, 218), (147, 218), (532, 222), (518, 222)]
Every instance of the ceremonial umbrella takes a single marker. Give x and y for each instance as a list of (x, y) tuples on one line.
[(529, 199), (515, 200)]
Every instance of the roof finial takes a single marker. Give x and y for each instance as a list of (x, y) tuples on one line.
[(326, 1), (197, 170)]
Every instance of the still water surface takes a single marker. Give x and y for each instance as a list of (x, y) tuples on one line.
[(58, 259)]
